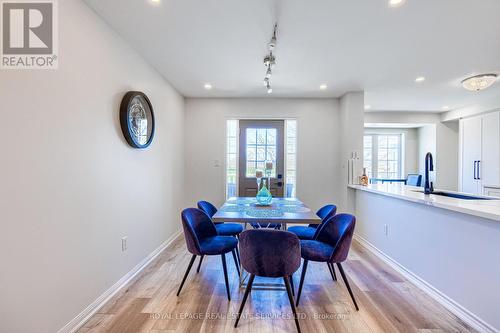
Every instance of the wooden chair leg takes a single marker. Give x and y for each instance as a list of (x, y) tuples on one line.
[(332, 271), (302, 276), (223, 256), (290, 298), (236, 262), (291, 284), (187, 272), (347, 285), (245, 296), (199, 264)]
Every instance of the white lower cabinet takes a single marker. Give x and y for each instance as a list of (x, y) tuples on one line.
[(492, 191)]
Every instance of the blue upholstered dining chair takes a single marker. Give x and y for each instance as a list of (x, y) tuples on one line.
[(202, 239), (269, 253), (311, 231), (414, 180), (223, 229), (331, 246)]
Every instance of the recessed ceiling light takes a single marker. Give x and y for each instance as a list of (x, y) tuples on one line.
[(155, 1), (479, 82), (208, 86), (420, 79), (368, 106), (396, 3), (446, 107), (323, 86)]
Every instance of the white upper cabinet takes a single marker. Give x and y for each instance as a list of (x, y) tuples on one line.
[(490, 159), (480, 151), (471, 154)]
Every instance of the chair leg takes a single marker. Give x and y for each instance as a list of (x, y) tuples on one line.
[(187, 272), (223, 256), (291, 284), (238, 255), (236, 262), (290, 298), (332, 271), (237, 250), (199, 264), (302, 276), (347, 285), (245, 296)]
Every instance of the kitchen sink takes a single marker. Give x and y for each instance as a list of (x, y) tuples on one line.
[(457, 195)]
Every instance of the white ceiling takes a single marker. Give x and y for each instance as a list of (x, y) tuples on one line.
[(347, 44)]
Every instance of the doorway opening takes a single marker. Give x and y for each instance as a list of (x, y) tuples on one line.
[(250, 143)]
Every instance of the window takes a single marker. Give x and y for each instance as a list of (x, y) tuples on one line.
[(382, 155), (231, 157), (368, 155), (291, 158), (261, 148)]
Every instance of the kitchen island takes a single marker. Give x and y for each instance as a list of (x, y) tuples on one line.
[(449, 247)]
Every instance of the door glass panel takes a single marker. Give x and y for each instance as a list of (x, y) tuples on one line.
[(260, 148)]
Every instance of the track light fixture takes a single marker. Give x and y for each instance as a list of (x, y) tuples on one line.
[(270, 61)]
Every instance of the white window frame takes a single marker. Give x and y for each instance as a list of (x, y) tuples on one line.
[(375, 160), (238, 151)]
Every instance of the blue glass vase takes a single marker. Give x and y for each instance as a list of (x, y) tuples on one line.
[(264, 197)]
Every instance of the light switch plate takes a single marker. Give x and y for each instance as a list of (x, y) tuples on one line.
[(124, 243)]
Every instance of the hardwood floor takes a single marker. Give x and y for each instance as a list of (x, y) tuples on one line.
[(387, 302)]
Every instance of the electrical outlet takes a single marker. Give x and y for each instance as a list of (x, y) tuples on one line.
[(124, 243), (386, 230)]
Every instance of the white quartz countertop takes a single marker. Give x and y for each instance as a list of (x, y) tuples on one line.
[(489, 209)]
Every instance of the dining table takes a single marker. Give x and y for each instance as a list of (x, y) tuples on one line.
[(282, 211)]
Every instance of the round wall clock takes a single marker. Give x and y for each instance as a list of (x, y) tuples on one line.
[(137, 119)]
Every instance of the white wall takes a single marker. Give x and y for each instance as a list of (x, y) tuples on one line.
[(71, 187), (411, 152), (426, 144), (352, 106), (317, 153), (447, 157)]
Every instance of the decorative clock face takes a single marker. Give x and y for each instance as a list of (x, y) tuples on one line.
[(137, 119)]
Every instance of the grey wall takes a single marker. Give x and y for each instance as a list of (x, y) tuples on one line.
[(71, 186), (318, 144)]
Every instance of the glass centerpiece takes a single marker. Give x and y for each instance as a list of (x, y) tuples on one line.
[(264, 196)]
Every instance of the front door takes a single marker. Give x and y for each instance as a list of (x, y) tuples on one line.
[(261, 141)]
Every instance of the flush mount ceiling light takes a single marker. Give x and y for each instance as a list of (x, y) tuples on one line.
[(420, 79), (323, 87), (155, 1), (396, 3), (207, 86), (270, 61), (479, 82)]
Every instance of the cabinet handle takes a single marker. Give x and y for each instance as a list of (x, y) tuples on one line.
[(479, 170), (475, 164)]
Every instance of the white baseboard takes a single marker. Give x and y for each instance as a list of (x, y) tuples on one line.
[(85, 315), (457, 309)]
